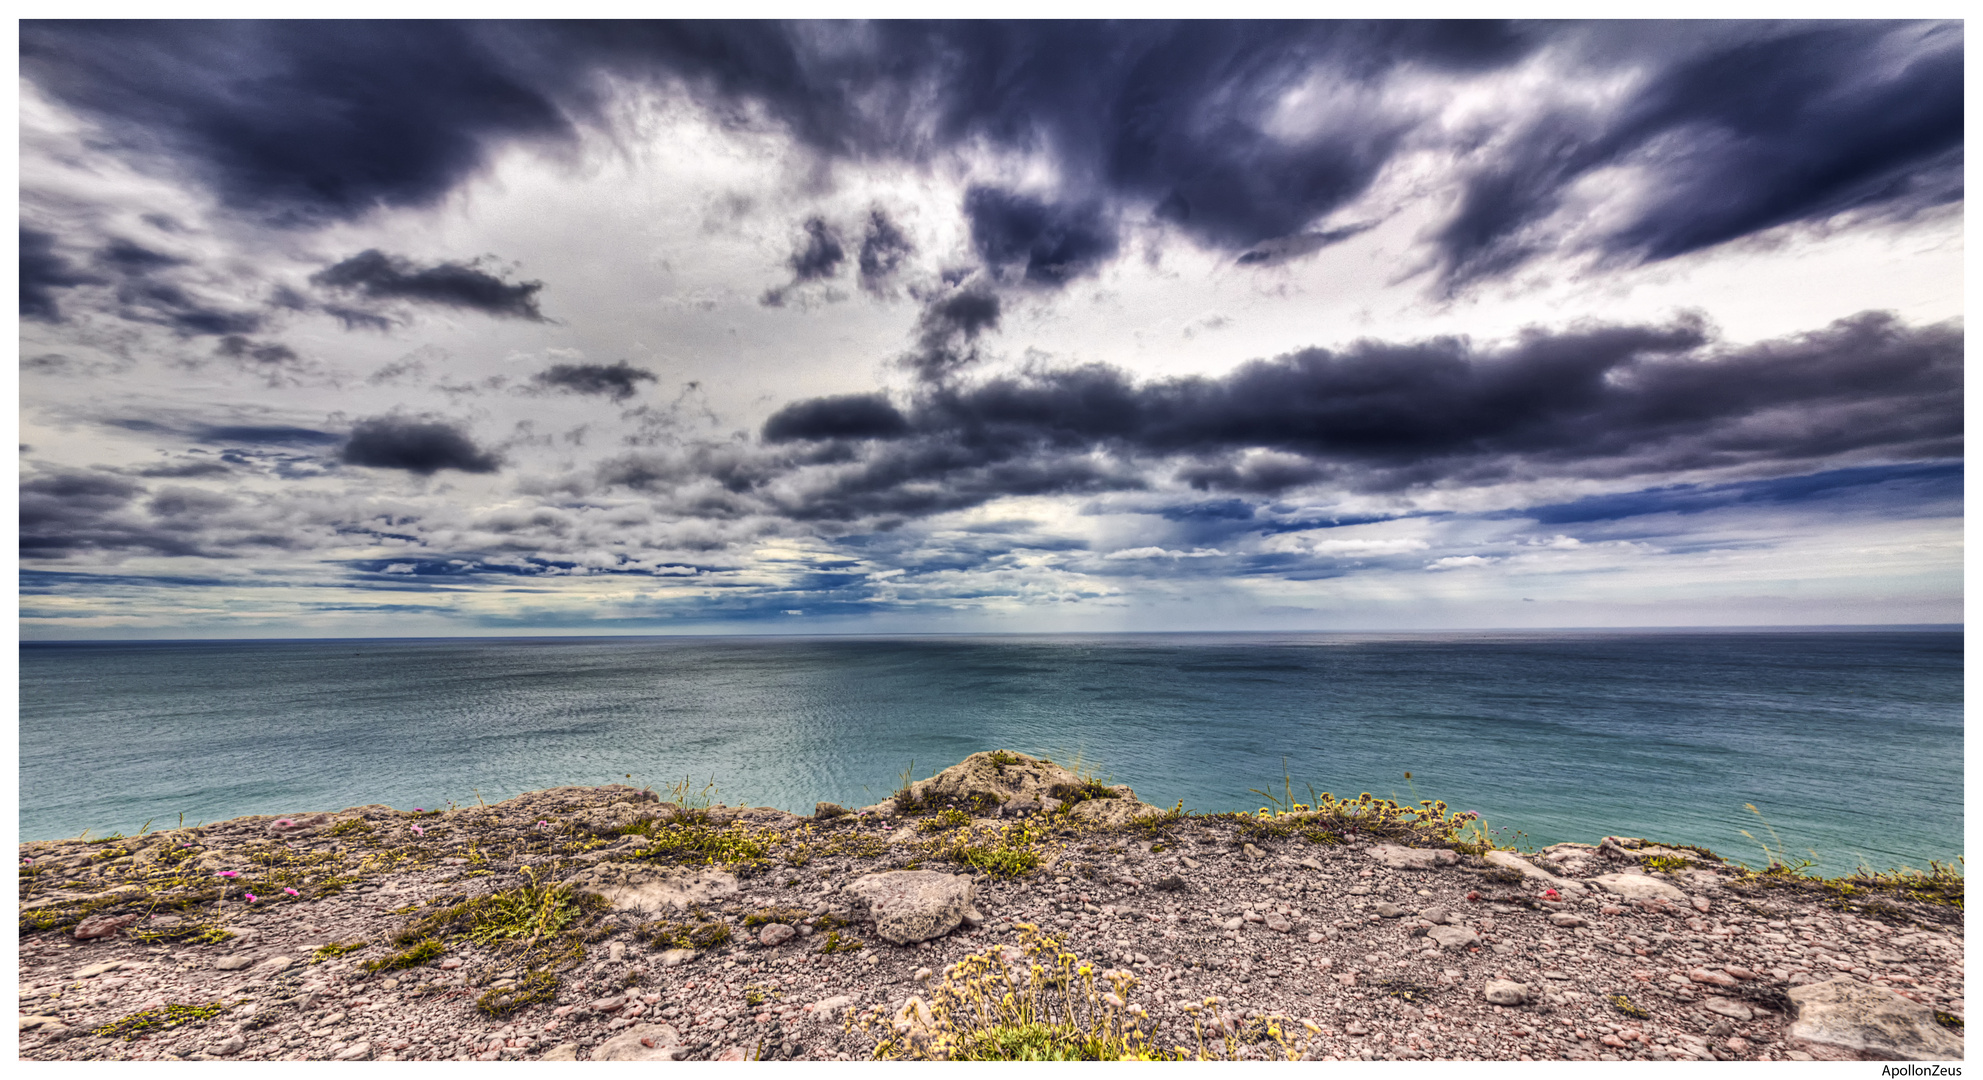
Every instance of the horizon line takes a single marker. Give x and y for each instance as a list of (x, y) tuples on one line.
[(1803, 628)]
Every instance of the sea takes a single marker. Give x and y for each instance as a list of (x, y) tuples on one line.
[(1843, 747)]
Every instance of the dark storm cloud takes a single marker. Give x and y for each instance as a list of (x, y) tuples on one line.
[(43, 271), (852, 416), (1047, 244), (266, 435), (417, 446), (1746, 136), (299, 122), (948, 330), (1592, 401), (71, 512), (817, 257), (1738, 126), (615, 380), (375, 275), (883, 248)]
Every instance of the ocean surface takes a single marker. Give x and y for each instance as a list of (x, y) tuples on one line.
[(1849, 743)]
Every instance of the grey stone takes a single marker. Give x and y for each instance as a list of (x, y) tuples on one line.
[(641, 1042), (1404, 858), (1388, 909), (1728, 1007), (775, 934), (234, 963), (1310, 863), (103, 926), (1453, 937), (230, 1046), (275, 965), (616, 952), (1565, 918), (355, 1052), (1639, 887), (39, 1023), (1872, 1022), (675, 957), (915, 905), (561, 1052), (1436, 915), (1504, 992), (1235, 922)]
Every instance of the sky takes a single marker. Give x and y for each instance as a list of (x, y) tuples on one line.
[(353, 329)]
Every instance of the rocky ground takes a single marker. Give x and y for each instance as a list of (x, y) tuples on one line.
[(135, 948)]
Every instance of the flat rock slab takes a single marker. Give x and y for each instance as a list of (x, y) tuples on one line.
[(644, 889), (1873, 1023), (641, 1042), (1639, 887), (916, 905), (1404, 858), (1453, 937)]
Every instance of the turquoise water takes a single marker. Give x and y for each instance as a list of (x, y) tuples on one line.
[(1850, 742)]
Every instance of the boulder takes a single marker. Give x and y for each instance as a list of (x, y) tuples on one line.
[(1639, 887), (1728, 1007), (1453, 937), (1020, 784), (102, 926), (1504, 992), (1404, 858), (1869, 1022), (641, 1042), (775, 934), (915, 905), (650, 889)]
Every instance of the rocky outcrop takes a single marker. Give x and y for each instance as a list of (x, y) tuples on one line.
[(916, 905), (1001, 783), (639, 888), (1844, 1018)]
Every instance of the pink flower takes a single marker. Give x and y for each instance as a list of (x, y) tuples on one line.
[(284, 823), (292, 892), (250, 896), (543, 824), (417, 810), (1550, 894), (229, 873), (418, 831)]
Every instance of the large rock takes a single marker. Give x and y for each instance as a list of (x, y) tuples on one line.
[(1532, 873), (1023, 782), (1453, 937), (916, 905), (1405, 858), (641, 1042), (1506, 992), (1639, 887), (651, 889), (1869, 1022), (102, 926)]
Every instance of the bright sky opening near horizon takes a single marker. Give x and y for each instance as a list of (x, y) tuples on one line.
[(359, 329)]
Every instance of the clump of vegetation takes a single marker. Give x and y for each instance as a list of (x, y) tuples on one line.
[(193, 933), (668, 934), (787, 915), (421, 951), (1036, 1002), (152, 1020), (1088, 788), (355, 827), (690, 840), (535, 986), (1624, 1004), (1000, 759), (336, 949), (1006, 851), (524, 915), (948, 818), (834, 943), (1667, 864), (1941, 884)]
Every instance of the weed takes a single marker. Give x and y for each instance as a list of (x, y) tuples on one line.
[(171, 1016), (336, 949), (1088, 788), (665, 934), (354, 827), (691, 840), (1667, 864), (787, 915), (1000, 759), (949, 818), (535, 986), (755, 996), (1624, 1004), (834, 943), (1949, 1020), (689, 797), (422, 951), (524, 916)]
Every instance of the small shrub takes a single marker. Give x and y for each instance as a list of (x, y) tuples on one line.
[(1000, 759), (354, 827), (1089, 788), (692, 841), (1667, 864), (1624, 1004)]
